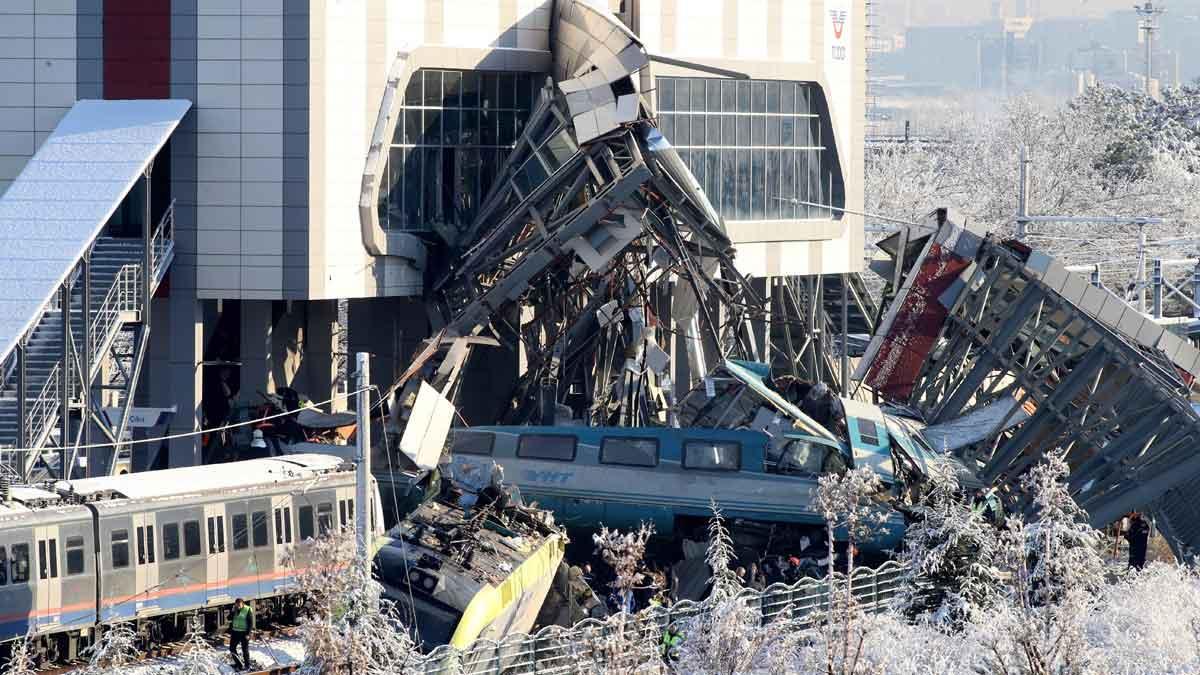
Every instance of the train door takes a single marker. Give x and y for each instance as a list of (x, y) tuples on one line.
[(48, 579), (284, 535), (218, 553), (145, 569), (346, 519)]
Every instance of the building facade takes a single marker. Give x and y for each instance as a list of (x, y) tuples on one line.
[(765, 100)]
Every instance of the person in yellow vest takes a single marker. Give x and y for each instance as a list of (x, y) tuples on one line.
[(241, 622)]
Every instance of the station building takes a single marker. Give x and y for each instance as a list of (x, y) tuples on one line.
[(765, 100)]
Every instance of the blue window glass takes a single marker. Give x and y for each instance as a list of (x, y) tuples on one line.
[(753, 145), (453, 130)]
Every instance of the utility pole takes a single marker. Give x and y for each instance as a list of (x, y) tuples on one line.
[(1023, 195), (1141, 268), (362, 511), (1148, 23)]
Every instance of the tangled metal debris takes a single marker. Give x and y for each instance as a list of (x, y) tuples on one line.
[(978, 323)]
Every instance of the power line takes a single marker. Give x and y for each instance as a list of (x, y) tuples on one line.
[(187, 434)]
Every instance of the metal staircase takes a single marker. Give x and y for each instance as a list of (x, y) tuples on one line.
[(47, 373)]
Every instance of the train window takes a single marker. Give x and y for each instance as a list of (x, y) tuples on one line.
[(473, 442), (629, 451), (19, 565), (191, 538), (324, 518), (74, 546), (283, 525), (712, 455), (342, 512), (145, 544), (48, 558), (216, 535), (346, 512), (306, 522), (120, 548), (3, 566), (867, 432), (241, 532), (261, 537), (170, 533), (556, 447), (803, 457)]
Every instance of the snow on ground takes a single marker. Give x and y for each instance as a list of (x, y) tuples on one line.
[(271, 653)]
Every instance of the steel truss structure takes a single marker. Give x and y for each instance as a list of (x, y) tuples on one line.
[(981, 322), (587, 258)]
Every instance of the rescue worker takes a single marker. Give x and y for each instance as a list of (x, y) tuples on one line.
[(241, 622), (1137, 536), (670, 643)]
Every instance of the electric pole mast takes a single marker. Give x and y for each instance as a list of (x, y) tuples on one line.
[(1148, 23)]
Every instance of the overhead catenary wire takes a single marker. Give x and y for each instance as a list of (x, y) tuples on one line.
[(187, 434)]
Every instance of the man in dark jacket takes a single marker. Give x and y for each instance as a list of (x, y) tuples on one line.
[(1137, 535)]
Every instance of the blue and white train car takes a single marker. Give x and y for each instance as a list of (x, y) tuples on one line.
[(620, 476), (153, 547)]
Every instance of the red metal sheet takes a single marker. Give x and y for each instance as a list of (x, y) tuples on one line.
[(918, 322)]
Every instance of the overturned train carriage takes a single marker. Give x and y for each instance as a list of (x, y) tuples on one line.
[(979, 323), (460, 573)]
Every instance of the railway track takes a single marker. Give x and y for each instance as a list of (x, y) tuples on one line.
[(171, 649)]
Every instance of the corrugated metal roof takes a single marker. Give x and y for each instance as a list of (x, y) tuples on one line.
[(65, 195)]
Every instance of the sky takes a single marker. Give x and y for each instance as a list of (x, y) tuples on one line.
[(952, 12)]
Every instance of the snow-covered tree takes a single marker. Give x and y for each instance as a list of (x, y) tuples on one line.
[(1110, 153), (198, 656), (850, 504), (625, 553), (113, 652), (949, 554), (729, 636), (1054, 569), (626, 645), (348, 625), (20, 659)]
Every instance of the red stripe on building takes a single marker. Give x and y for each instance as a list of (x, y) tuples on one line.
[(137, 49)]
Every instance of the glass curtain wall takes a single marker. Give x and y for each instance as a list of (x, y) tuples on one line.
[(455, 131), (754, 145)]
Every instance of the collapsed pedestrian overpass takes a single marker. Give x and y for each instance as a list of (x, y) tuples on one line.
[(981, 324)]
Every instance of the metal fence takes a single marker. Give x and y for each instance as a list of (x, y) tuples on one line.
[(585, 647)]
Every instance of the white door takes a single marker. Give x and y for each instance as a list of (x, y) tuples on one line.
[(145, 562), (284, 534), (49, 576), (218, 554)]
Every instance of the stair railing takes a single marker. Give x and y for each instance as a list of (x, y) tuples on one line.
[(161, 243)]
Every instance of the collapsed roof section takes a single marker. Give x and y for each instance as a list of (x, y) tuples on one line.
[(593, 233), (978, 322), (595, 58)]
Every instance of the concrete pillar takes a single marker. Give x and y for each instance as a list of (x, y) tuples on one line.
[(320, 347), (185, 336), (256, 342)]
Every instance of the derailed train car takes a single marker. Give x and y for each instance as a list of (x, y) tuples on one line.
[(159, 546), (747, 447)]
